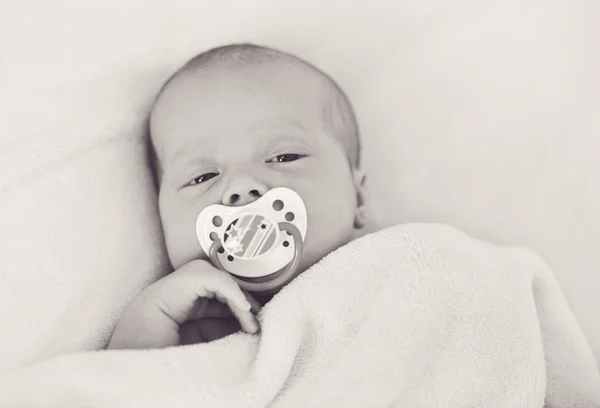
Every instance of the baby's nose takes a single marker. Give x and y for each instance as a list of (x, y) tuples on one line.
[(243, 193)]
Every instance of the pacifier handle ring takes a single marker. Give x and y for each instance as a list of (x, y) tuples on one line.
[(287, 272)]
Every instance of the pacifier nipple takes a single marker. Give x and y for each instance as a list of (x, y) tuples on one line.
[(261, 243)]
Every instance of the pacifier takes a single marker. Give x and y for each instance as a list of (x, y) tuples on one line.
[(259, 244)]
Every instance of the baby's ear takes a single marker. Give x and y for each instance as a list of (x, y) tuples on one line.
[(360, 179)]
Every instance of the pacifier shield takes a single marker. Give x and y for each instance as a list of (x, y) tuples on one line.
[(248, 241), (250, 236)]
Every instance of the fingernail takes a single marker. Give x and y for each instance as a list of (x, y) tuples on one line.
[(246, 305)]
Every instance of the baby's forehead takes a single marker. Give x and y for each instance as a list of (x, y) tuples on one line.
[(262, 97), (280, 77)]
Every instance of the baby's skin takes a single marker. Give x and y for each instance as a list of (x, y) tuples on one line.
[(225, 131)]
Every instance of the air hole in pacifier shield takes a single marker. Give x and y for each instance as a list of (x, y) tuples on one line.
[(250, 236), (278, 205), (217, 221), (290, 216)]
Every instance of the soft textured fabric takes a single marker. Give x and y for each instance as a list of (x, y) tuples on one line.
[(79, 239), (412, 316)]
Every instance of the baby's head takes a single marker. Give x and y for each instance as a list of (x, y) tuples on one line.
[(239, 120)]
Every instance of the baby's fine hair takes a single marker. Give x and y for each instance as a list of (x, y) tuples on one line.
[(338, 112)]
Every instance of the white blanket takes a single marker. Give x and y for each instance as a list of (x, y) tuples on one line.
[(412, 316)]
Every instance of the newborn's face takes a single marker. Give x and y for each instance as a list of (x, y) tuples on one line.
[(227, 136)]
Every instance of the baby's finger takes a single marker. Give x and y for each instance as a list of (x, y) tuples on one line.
[(246, 318), (178, 294), (210, 309), (225, 287)]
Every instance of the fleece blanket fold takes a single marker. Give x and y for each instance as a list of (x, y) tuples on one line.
[(412, 316)]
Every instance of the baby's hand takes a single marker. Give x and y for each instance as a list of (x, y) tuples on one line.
[(154, 317)]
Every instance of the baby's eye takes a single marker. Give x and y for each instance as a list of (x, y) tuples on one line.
[(203, 178), (288, 157)]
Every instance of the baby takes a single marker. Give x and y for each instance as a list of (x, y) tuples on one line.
[(233, 123)]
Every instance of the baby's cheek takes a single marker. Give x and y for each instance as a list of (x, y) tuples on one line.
[(179, 225), (330, 225)]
